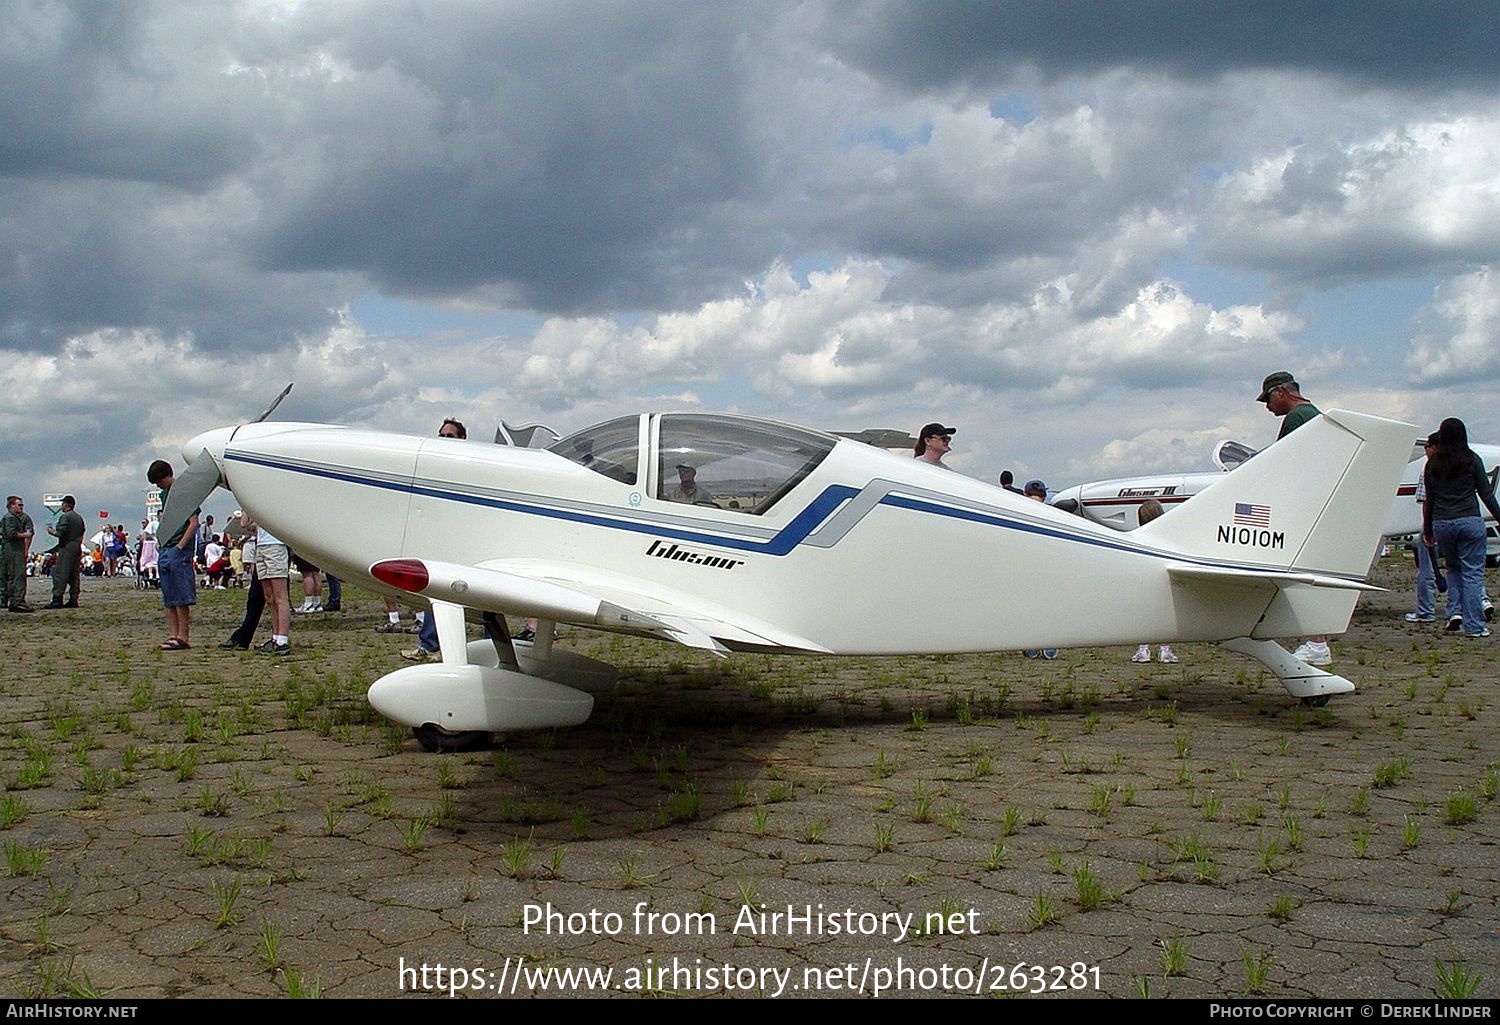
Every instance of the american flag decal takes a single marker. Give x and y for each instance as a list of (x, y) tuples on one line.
[(1247, 514)]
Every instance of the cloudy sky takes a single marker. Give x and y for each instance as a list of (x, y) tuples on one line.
[(1082, 232)]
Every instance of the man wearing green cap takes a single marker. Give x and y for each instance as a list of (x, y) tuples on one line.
[(1281, 395), (68, 530)]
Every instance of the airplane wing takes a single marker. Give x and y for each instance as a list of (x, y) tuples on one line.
[(572, 594)]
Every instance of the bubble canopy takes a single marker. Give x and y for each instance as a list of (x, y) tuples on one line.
[(740, 464)]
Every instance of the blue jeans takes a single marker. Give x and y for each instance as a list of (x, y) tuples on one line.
[(1426, 581), (427, 636), (1461, 542)]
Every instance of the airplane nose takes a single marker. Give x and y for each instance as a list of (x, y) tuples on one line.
[(214, 440)]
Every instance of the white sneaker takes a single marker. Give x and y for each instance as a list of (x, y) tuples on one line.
[(1142, 654), (1166, 655), (1313, 653)]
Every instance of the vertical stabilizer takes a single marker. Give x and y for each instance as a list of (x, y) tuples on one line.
[(1315, 500)]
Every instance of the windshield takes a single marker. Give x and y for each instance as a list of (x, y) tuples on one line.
[(611, 448), (734, 463)]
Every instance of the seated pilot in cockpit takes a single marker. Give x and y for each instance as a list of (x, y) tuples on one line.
[(687, 490)]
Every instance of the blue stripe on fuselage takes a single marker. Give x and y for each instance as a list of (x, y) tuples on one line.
[(782, 543)]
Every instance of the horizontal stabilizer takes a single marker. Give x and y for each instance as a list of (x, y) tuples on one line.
[(1279, 578)]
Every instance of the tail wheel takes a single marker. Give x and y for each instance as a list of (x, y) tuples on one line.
[(434, 738)]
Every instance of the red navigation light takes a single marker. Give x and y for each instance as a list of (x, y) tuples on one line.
[(402, 574)]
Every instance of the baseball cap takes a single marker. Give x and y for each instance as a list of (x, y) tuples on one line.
[(1274, 381)]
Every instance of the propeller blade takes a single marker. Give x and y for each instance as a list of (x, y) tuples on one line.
[(272, 407), (190, 489)]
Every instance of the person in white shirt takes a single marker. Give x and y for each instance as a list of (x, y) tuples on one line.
[(272, 564)]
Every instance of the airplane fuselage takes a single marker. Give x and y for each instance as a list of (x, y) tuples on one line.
[(869, 553)]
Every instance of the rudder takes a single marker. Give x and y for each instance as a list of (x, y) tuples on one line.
[(1313, 501)]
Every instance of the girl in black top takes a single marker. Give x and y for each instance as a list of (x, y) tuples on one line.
[(1456, 484)]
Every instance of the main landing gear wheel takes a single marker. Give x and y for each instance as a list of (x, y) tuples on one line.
[(434, 738), (1317, 700)]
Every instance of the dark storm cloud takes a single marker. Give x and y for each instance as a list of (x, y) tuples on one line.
[(237, 174), (101, 90), (943, 44), (120, 208), (574, 161), (91, 253)]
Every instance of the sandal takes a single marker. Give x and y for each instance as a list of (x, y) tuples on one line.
[(175, 644)]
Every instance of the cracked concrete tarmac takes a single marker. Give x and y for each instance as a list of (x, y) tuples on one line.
[(211, 823)]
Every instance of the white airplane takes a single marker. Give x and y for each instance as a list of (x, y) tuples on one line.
[(1117, 502), (789, 540)]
